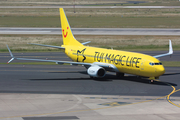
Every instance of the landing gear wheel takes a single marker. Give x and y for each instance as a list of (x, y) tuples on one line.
[(151, 81), (119, 75)]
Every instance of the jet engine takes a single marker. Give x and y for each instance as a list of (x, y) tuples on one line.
[(96, 71)]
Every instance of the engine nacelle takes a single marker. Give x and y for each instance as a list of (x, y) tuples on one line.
[(96, 71)]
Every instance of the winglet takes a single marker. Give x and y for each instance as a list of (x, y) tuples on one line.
[(169, 53), (10, 54), (170, 47)]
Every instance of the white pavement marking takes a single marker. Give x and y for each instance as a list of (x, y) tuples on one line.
[(92, 31), (13, 118), (22, 31), (74, 106)]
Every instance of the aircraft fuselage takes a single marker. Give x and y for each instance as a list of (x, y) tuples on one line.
[(126, 62)]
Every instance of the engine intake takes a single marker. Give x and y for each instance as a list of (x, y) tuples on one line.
[(96, 71)]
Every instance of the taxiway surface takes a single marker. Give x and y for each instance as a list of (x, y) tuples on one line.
[(42, 75), (67, 92)]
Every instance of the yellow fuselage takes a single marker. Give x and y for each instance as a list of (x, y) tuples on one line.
[(125, 62)]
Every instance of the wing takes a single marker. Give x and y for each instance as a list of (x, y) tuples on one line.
[(106, 66), (42, 60), (169, 53)]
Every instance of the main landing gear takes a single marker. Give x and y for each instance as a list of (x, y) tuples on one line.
[(119, 75)]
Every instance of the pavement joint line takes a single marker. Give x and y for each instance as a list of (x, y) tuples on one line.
[(78, 110), (167, 97), (127, 98), (81, 110)]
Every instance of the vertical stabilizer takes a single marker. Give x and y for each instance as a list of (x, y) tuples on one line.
[(68, 38)]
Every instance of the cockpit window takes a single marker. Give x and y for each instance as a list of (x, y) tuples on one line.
[(158, 63), (155, 63), (151, 63)]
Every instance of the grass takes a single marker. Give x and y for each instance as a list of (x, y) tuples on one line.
[(18, 43), (92, 22), (90, 11), (171, 63), (86, 18), (29, 21), (89, 3), (125, 22)]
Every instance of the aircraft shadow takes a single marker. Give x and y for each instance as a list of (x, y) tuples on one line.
[(82, 72), (110, 77), (147, 81), (166, 74), (52, 79)]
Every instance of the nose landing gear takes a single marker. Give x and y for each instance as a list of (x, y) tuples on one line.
[(151, 79)]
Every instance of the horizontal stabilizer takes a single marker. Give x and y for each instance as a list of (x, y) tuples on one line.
[(10, 54), (86, 42), (47, 46)]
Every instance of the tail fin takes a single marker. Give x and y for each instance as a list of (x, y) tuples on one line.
[(68, 38)]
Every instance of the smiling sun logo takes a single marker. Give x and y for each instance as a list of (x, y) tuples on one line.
[(65, 35)]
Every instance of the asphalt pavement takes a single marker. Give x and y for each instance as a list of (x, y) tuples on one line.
[(41, 92)]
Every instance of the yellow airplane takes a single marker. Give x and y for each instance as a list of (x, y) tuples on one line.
[(99, 60)]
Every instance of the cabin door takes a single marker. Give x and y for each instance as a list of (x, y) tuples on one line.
[(142, 65)]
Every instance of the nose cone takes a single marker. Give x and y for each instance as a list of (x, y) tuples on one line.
[(160, 70)]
